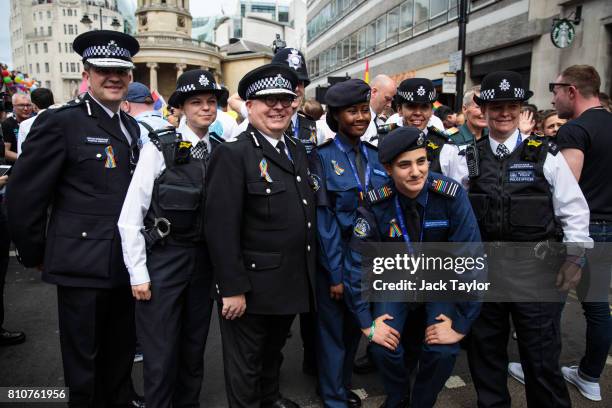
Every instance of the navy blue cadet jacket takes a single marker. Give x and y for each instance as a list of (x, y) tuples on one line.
[(446, 216), (338, 198)]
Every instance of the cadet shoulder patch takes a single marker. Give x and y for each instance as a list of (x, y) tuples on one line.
[(446, 188), (377, 195), (362, 228)]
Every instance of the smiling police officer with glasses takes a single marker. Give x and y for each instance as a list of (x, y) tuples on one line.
[(79, 160)]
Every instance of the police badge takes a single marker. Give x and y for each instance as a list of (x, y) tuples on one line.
[(294, 59), (362, 228)]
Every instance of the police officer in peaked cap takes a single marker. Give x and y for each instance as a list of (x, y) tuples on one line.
[(260, 201), (162, 232), (415, 97), (89, 149), (522, 190)]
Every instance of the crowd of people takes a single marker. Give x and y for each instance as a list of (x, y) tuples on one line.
[(147, 223)]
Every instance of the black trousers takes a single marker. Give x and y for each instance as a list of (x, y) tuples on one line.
[(252, 348), (5, 243), (173, 325), (97, 341), (308, 330), (539, 340)]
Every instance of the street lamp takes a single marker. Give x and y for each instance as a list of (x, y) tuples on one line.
[(87, 21)]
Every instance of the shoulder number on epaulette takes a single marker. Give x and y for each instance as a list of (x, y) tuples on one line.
[(445, 187)]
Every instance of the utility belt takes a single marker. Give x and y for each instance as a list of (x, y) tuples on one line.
[(543, 250), (159, 234)]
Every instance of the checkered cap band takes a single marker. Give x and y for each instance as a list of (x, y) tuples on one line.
[(519, 93), (432, 95), (106, 51), (186, 88), (409, 96), (275, 82), (487, 94)]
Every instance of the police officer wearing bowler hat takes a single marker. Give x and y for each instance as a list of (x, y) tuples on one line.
[(89, 150), (416, 206), (521, 190), (349, 168), (162, 231), (415, 97), (260, 201)]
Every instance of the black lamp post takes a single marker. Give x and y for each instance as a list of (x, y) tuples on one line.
[(87, 21)]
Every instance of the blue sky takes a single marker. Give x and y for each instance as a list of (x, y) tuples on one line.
[(198, 8)]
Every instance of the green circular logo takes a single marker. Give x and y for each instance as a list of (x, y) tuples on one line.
[(563, 33)]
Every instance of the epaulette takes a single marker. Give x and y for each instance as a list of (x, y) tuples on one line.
[(377, 195), (70, 104), (369, 144), (446, 188), (553, 148)]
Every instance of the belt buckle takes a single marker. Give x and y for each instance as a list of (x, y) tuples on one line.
[(540, 250), (162, 225)]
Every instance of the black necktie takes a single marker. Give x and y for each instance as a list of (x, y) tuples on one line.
[(359, 166), (502, 151), (289, 131), (281, 149), (413, 219)]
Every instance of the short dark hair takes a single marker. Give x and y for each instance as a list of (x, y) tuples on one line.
[(42, 98), (443, 111), (222, 99), (584, 77)]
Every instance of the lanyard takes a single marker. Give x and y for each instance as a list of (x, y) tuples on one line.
[(296, 128), (362, 189), (400, 218)]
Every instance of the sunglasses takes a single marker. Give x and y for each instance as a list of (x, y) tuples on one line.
[(551, 86), (272, 100)]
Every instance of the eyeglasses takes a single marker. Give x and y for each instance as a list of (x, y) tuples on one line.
[(272, 100), (551, 86), (23, 106), (111, 71)]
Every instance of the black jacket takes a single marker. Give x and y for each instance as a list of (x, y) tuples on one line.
[(261, 233), (67, 165)]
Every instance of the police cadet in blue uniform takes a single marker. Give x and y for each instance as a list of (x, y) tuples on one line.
[(521, 190), (260, 231), (418, 206), (349, 168), (162, 232), (88, 150), (416, 97)]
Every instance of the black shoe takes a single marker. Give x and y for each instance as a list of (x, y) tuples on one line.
[(364, 365), (8, 338), (282, 403), (403, 404), (352, 400)]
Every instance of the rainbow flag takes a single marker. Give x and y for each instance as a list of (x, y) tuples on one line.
[(436, 105), (366, 75), (159, 100)]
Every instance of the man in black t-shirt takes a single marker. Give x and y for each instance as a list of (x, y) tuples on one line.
[(586, 144)]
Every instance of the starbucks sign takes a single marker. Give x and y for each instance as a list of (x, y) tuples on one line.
[(563, 33)]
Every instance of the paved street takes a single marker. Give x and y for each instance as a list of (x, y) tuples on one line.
[(31, 307)]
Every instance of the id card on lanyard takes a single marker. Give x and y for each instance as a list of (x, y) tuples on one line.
[(362, 189), (402, 222)]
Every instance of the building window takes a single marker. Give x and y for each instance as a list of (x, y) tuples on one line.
[(393, 26), (48, 84), (34, 16), (361, 49), (65, 30), (354, 46), (381, 31), (49, 31), (70, 29), (36, 48), (46, 67), (49, 14), (61, 67), (64, 12), (59, 47), (66, 48), (69, 12), (40, 15), (29, 52), (346, 49), (76, 29), (31, 68), (45, 48), (370, 37), (421, 15), (37, 68), (35, 32)]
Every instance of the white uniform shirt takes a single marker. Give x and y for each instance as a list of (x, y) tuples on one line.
[(569, 204), (136, 205), (152, 118), (24, 129), (112, 114)]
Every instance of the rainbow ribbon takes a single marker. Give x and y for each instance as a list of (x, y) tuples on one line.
[(394, 230), (110, 163), (263, 169)]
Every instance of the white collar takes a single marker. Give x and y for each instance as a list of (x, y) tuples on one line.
[(272, 140), (189, 135), (511, 143), (293, 119), (108, 111)]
